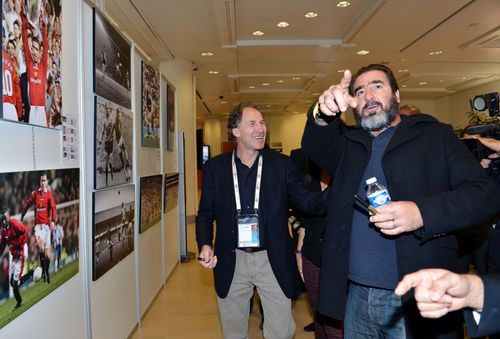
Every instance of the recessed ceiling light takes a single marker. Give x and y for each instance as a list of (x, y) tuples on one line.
[(296, 78), (436, 52), (343, 4), (310, 15), (265, 84), (422, 83), (279, 81), (441, 80), (341, 71), (251, 87), (268, 106), (464, 78), (207, 54), (405, 70), (258, 33), (363, 52), (315, 94), (213, 72), (404, 86), (283, 24), (223, 102)]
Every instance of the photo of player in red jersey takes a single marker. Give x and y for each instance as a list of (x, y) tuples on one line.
[(14, 235), (45, 218)]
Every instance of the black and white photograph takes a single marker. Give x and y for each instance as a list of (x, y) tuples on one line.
[(31, 62), (171, 191), (111, 62), (113, 227), (151, 198), (150, 114), (113, 144), (170, 126), (39, 225)]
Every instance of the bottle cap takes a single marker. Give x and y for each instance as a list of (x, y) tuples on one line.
[(371, 180)]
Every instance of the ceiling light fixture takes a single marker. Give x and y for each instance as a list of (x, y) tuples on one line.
[(265, 84), (341, 71), (213, 72), (422, 83), (363, 52), (207, 53), (279, 81), (436, 53), (251, 87), (223, 102), (405, 70), (296, 78), (283, 24), (310, 15), (343, 4), (258, 33)]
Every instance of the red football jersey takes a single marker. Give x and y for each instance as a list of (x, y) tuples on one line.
[(36, 73), (15, 237), (11, 86), (45, 205)]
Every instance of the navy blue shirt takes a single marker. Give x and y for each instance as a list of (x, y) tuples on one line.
[(372, 260), (247, 177)]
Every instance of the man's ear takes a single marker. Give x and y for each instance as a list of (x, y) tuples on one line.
[(236, 132), (397, 96)]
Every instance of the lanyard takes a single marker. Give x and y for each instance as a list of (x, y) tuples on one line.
[(257, 185)]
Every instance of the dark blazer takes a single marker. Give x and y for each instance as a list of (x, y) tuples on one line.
[(280, 185), (490, 315), (425, 163)]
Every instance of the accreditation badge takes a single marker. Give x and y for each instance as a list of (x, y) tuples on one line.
[(248, 230)]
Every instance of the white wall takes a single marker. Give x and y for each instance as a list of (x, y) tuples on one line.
[(65, 305)]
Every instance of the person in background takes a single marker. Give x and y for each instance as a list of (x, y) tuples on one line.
[(310, 238), (436, 186), (409, 110), (247, 186)]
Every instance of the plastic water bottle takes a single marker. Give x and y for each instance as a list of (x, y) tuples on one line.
[(376, 193)]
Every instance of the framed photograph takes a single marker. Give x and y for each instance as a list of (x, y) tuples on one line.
[(170, 126), (29, 198), (151, 194), (31, 62), (111, 62), (171, 191), (113, 144), (112, 227), (150, 106)]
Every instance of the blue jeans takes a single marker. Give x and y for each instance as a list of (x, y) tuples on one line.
[(373, 313)]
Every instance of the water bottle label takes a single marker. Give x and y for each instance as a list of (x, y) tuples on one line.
[(379, 198)]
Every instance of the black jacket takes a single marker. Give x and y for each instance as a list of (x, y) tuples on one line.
[(280, 185), (425, 163)]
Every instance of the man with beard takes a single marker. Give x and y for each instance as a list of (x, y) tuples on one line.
[(436, 186)]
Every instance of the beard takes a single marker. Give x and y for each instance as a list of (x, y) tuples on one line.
[(377, 120)]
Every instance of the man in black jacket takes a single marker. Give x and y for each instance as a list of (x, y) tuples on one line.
[(436, 186), (246, 192)]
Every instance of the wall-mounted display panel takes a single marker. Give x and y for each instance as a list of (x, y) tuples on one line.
[(151, 195), (31, 62), (150, 106), (111, 62), (113, 144), (40, 209), (170, 126), (113, 228), (171, 191)]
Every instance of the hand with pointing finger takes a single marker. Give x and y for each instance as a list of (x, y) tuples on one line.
[(337, 98)]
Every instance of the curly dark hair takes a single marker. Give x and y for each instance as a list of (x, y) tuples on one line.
[(234, 118), (375, 67)]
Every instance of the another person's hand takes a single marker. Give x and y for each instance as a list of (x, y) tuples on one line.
[(493, 145), (439, 291), (336, 98), (207, 258), (397, 217)]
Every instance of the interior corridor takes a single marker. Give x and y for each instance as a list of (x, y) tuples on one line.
[(187, 307)]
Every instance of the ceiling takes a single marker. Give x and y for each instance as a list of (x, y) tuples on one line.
[(284, 70)]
